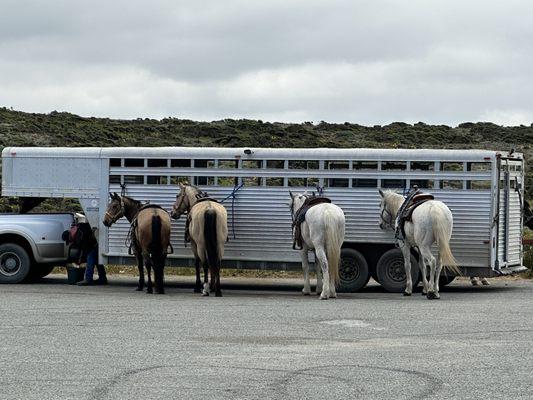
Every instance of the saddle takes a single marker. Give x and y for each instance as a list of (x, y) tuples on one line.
[(299, 217), (405, 214), (203, 197)]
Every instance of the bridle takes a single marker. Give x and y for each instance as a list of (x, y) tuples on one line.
[(388, 221), (117, 216)]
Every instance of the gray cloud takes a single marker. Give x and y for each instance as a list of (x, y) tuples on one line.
[(361, 61)]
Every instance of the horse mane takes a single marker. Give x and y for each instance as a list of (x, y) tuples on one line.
[(137, 202)]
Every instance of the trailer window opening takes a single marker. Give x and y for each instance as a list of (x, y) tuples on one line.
[(478, 185), (393, 183), (338, 182), (114, 179), (274, 181), (393, 165), (134, 162), (452, 184), (364, 183), (423, 183), (303, 182), (176, 180), (156, 180), (300, 164), (204, 180), (228, 164), (252, 164), (337, 165), (115, 162), (478, 166), (134, 179), (204, 163), (365, 165), (422, 166), (226, 181), (251, 181), (451, 166), (275, 164), (157, 162), (180, 163)]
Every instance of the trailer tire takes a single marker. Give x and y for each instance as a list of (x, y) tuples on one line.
[(15, 263), (391, 272), (353, 271)]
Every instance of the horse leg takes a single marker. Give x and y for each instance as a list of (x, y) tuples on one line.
[(437, 275), (159, 263), (321, 256), (306, 291), (406, 251), (423, 271), (205, 291), (198, 284), (318, 269), (218, 292), (149, 287), (432, 266), (140, 267)]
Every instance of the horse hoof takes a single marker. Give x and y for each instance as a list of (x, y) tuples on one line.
[(149, 291), (406, 294), (432, 296), (306, 293), (205, 293), (139, 289), (323, 297)]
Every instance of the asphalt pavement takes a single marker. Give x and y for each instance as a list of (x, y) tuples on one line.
[(264, 340)]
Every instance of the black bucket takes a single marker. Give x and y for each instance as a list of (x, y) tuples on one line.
[(75, 275)]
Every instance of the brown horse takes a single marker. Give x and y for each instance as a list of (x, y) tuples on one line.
[(150, 236), (207, 229)]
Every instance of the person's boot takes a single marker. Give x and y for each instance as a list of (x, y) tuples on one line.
[(85, 283), (102, 278)]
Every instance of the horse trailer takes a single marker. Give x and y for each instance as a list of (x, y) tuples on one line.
[(483, 189)]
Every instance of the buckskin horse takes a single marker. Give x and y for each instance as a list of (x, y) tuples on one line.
[(207, 230), (318, 225), (430, 222), (149, 235)]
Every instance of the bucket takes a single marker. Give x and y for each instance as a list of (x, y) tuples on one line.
[(75, 275)]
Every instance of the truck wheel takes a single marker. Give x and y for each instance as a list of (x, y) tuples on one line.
[(14, 263), (390, 271), (353, 271), (39, 271)]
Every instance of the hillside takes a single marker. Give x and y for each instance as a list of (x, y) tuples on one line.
[(65, 129)]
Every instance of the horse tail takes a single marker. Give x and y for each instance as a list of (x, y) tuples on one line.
[(210, 237), (155, 246), (442, 231), (334, 238)]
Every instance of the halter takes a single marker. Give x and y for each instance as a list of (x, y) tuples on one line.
[(114, 218), (292, 207), (181, 199), (386, 221)]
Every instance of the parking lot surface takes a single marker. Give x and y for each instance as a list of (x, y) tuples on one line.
[(264, 340)]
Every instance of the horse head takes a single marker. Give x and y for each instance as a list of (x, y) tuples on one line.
[(115, 210), (297, 201), (182, 203), (386, 219)]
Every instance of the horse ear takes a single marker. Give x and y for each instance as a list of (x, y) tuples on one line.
[(110, 195), (292, 195), (381, 193)]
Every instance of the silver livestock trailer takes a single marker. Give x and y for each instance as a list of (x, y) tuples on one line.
[(482, 188)]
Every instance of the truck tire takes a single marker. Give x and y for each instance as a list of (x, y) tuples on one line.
[(390, 271), (14, 263), (353, 271)]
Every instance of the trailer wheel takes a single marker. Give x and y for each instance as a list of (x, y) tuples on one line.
[(353, 271), (446, 280), (390, 271), (14, 263)]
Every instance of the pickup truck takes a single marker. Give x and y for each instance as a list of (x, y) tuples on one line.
[(31, 245)]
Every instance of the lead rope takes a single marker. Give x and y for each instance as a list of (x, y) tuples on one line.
[(233, 195)]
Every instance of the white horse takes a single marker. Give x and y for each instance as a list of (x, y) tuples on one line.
[(322, 231), (431, 222)]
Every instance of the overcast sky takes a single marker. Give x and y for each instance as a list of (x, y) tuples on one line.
[(368, 62)]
